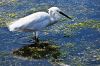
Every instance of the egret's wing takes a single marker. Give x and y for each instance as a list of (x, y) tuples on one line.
[(33, 22), (39, 23)]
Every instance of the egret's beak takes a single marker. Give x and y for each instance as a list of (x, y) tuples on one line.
[(65, 15)]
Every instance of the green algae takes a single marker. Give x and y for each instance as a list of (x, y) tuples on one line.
[(89, 24), (40, 51), (13, 0), (63, 19), (2, 22), (77, 61), (11, 15), (98, 57), (1, 3), (3, 53), (70, 45), (2, 19)]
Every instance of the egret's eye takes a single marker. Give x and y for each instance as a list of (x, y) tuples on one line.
[(57, 10), (50, 11)]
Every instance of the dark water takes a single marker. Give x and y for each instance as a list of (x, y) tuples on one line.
[(86, 41)]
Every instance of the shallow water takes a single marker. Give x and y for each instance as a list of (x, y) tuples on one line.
[(81, 47)]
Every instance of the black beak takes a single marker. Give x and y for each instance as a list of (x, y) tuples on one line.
[(65, 15)]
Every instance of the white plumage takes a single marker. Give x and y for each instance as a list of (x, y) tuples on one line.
[(37, 21), (33, 22)]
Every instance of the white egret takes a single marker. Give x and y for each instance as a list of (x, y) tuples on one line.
[(37, 21)]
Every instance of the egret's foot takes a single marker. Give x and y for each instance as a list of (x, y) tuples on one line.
[(35, 40)]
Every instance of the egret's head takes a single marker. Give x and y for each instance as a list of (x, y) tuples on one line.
[(54, 9), (55, 12)]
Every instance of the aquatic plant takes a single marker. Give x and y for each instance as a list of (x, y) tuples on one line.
[(2, 21), (1, 3), (88, 23), (11, 15), (5, 2), (77, 61), (70, 45), (13, 0), (42, 50), (3, 53)]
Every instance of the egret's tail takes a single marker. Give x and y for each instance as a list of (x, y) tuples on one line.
[(9, 25), (10, 28)]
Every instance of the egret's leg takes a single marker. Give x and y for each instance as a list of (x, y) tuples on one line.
[(36, 37)]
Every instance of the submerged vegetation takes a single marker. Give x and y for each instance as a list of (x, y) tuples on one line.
[(5, 2), (11, 15), (39, 51), (85, 24)]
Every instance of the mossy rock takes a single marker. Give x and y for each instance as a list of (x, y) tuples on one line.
[(38, 51)]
